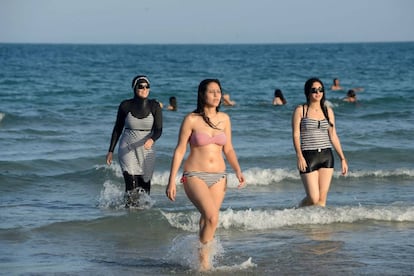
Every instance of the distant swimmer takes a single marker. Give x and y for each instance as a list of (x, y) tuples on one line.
[(336, 86), (227, 101), (350, 96), (173, 104), (278, 98)]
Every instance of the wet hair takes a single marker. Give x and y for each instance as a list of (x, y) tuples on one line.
[(139, 79), (307, 90), (351, 93), (279, 94), (173, 102), (201, 100)]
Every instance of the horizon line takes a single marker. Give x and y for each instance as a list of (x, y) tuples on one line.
[(203, 43)]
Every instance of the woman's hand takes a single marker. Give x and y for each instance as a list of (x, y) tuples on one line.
[(302, 165), (344, 167), (241, 179), (109, 158), (148, 144), (171, 190)]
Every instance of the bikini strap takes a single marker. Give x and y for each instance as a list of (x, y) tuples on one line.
[(303, 111)]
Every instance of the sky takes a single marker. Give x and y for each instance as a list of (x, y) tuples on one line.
[(208, 21)]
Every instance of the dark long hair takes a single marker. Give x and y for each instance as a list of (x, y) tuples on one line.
[(201, 100), (307, 88), (279, 94)]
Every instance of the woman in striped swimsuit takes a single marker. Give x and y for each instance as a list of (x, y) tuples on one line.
[(208, 132), (314, 134), (138, 125)]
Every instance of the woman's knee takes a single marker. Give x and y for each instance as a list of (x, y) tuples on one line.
[(313, 200), (211, 220)]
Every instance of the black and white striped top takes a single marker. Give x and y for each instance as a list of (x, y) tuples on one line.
[(314, 134)]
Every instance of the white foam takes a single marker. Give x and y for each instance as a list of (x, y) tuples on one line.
[(383, 173), (270, 219), (114, 167), (265, 177), (185, 251), (112, 196), (237, 267), (253, 176)]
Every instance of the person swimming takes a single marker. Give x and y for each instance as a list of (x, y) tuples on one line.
[(350, 96), (278, 98)]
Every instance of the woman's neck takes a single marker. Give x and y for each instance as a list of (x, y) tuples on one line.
[(210, 112), (314, 106)]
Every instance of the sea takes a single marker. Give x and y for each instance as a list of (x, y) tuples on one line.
[(61, 206)]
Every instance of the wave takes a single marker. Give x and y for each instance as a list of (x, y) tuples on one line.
[(273, 219), (265, 177), (402, 172)]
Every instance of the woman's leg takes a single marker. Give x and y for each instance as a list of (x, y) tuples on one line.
[(311, 183), (208, 201), (325, 178)]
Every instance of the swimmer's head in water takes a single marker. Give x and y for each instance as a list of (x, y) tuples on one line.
[(351, 93)]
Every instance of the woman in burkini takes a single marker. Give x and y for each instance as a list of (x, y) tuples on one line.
[(314, 134), (138, 125), (204, 178)]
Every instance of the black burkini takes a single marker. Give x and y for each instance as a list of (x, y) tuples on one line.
[(133, 114)]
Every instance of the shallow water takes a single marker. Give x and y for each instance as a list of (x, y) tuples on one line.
[(61, 208)]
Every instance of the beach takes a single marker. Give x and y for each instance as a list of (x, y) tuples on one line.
[(61, 206)]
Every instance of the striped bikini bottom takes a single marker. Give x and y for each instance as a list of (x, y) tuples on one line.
[(209, 178)]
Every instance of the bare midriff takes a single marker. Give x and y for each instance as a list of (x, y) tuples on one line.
[(207, 158)]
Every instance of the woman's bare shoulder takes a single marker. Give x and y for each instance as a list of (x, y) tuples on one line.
[(223, 115), (300, 107), (192, 118)]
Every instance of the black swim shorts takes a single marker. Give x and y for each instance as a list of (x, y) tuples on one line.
[(317, 159)]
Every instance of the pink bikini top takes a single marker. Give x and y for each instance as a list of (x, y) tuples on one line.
[(202, 139)]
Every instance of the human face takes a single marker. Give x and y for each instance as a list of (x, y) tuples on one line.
[(213, 95), (142, 90), (316, 91)]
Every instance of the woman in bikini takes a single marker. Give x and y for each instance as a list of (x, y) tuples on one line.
[(204, 179), (314, 134)]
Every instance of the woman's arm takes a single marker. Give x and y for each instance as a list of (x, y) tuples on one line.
[(336, 143), (179, 152), (156, 126), (116, 132), (296, 118), (230, 153)]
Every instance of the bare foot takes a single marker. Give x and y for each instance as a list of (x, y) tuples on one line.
[(204, 255), (321, 204)]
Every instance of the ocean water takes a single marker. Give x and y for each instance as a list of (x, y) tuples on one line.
[(61, 210)]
